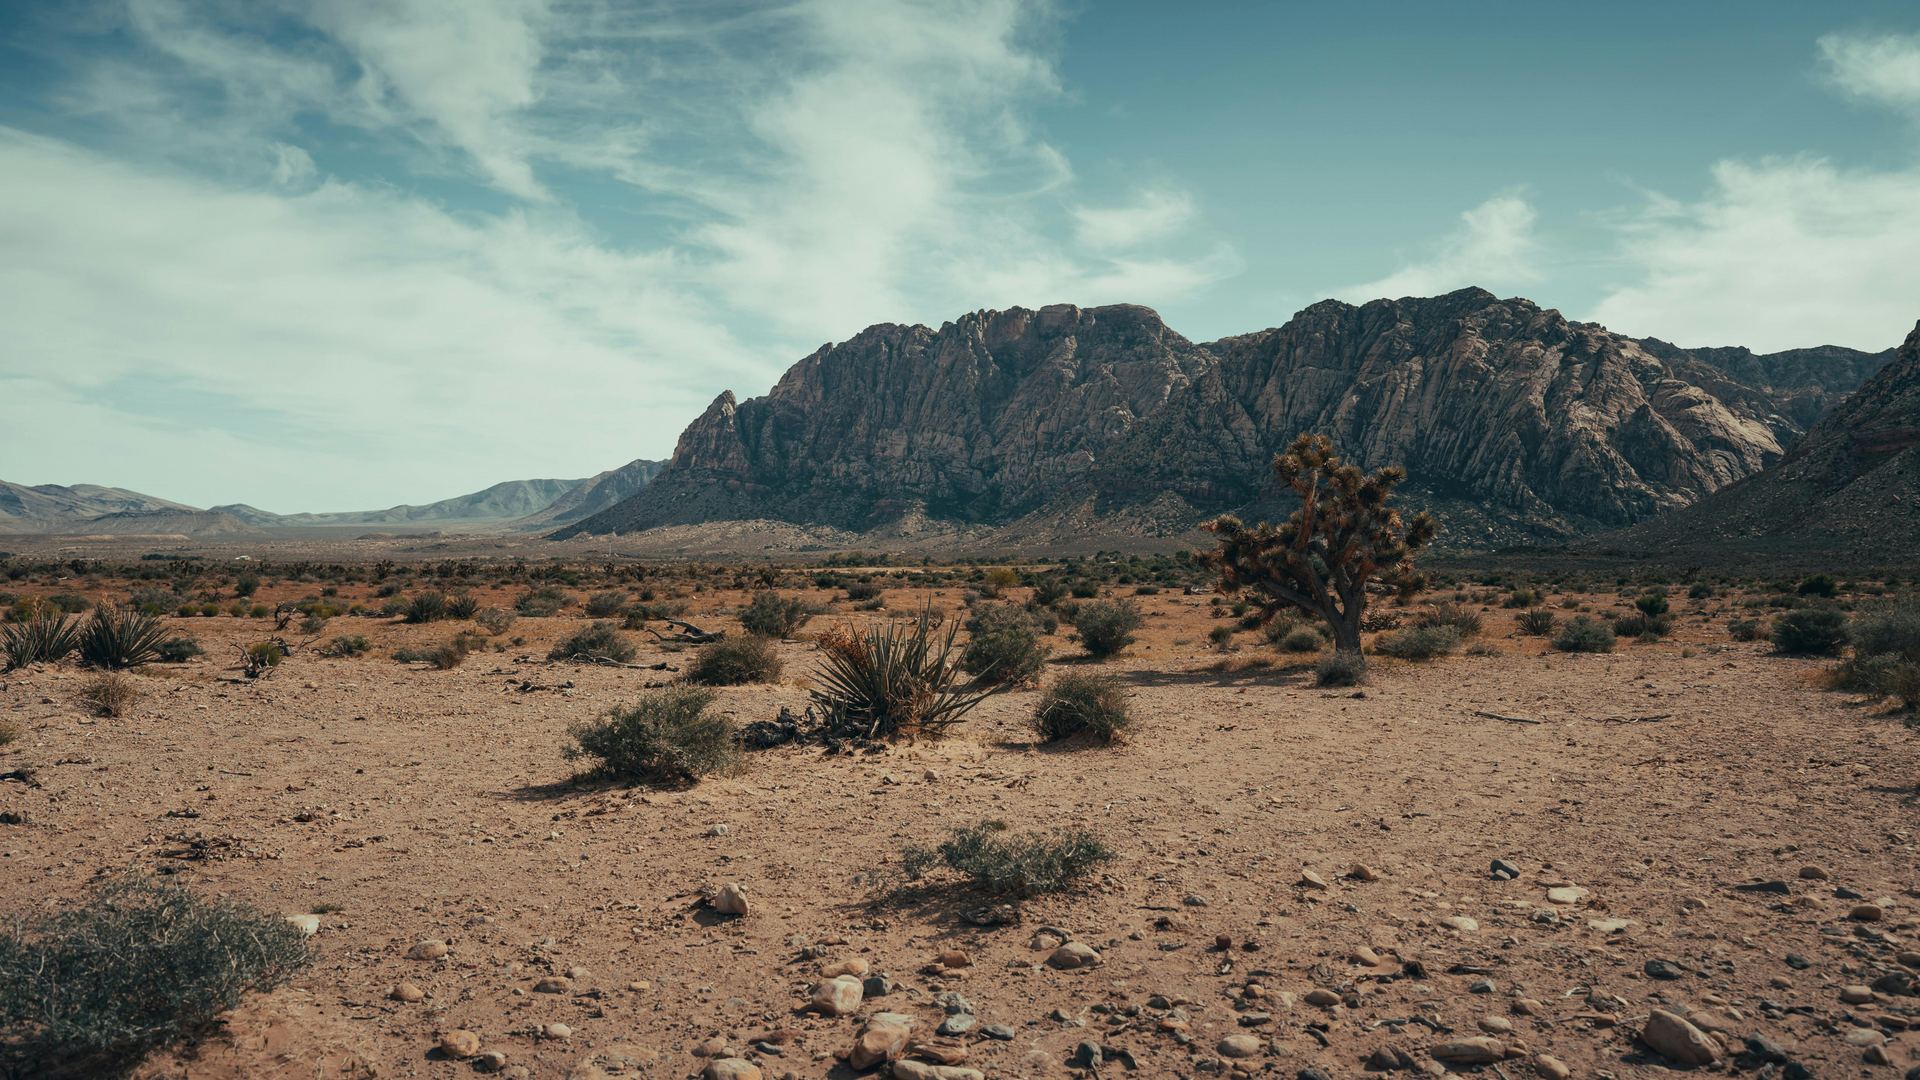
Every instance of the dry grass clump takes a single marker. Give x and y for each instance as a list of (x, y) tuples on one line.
[(495, 621), (1026, 865), (10, 732), (733, 661), (665, 736), (601, 641), (110, 693), (1079, 702)]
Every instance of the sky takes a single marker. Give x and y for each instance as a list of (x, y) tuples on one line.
[(341, 254)]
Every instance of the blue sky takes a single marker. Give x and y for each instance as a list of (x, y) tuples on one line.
[(335, 254)]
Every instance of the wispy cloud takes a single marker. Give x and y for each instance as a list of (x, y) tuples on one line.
[(1494, 246), (1883, 68)]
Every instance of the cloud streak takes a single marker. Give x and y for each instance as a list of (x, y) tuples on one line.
[(1493, 246)]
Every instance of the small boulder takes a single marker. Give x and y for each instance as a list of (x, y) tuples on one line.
[(731, 899), (1866, 913), (1567, 894), (909, 1069), (1238, 1046), (1073, 955), (1856, 995), (1366, 957), (1479, 1050), (1311, 880), (406, 991), (1672, 1037), (1460, 922), (460, 1044), (491, 1061), (1363, 872), (1813, 873), (558, 984), (854, 966), (1322, 998), (1551, 1067), (306, 924), (1496, 1025), (431, 949), (837, 997), (731, 1069), (954, 958), (557, 1031), (877, 1044)]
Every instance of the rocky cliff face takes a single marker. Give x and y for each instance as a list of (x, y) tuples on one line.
[(1554, 428)]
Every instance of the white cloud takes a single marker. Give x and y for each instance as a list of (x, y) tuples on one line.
[(1883, 68), (1150, 216), (1494, 246)]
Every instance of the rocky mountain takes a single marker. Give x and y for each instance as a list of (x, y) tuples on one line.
[(1509, 418), (24, 509), (592, 495), (501, 502), (1848, 489)]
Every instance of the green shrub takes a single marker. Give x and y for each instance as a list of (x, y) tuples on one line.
[(246, 584), (599, 641), (1220, 635), (638, 615), (462, 605), (734, 661), (1106, 626), (1049, 590), (1082, 589), (178, 650), (347, 645), (774, 616), (427, 607), (1811, 631), (71, 603), (263, 655), (1520, 598), (42, 638), (863, 590), (542, 602), (1302, 639), (1634, 626), (1700, 590), (1082, 702), (495, 621), (1819, 585), (1026, 865), (1005, 646), (1277, 629), (1584, 634), (1889, 631), (605, 605), (1652, 603), (1744, 629), (259, 611), (891, 678), (1887, 675), (1147, 590), (237, 609), (121, 638), (141, 965), (1418, 642), (1460, 617), (1340, 669), (1536, 623), (665, 736)]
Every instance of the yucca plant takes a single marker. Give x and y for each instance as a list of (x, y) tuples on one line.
[(118, 638), (42, 638), (894, 677)]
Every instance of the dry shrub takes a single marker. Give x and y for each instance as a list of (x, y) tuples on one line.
[(110, 693), (1078, 702), (601, 641), (10, 732), (665, 736), (732, 661), (495, 621), (1026, 865)]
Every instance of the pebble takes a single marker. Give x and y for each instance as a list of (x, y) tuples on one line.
[(854, 966), (954, 958), (1660, 969), (1856, 995), (957, 1024), (1073, 955), (1389, 1059), (874, 986), (1311, 880), (1481, 986), (556, 985), (1496, 1025), (998, 1032), (431, 949), (406, 991), (1312, 1074), (1195, 900), (307, 924), (1780, 982), (1322, 998), (731, 1069), (1363, 872), (1460, 922), (491, 1061), (1255, 1019), (1528, 1007), (877, 1043), (1672, 1037), (577, 973), (1366, 957), (1504, 870), (1813, 873), (557, 1031), (1909, 959), (1877, 1055), (1865, 1037), (460, 1044), (1798, 962), (1045, 943), (716, 830), (1570, 894), (1551, 1067), (1866, 913), (837, 997), (1238, 1046), (714, 1047), (1609, 926), (1765, 1049), (731, 899), (1479, 1050), (909, 1069)]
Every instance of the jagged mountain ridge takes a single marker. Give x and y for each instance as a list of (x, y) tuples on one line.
[(1565, 428)]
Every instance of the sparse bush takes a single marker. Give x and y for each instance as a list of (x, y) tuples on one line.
[(734, 661), (1082, 702), (1822, 585), (774, 616), (71, 603), (1636, 626), (1520, 598), (139, 966), (605, 605), (427, 607), (248, 583), (1277, 629), (891, 678), (10, 732), (1889, 631), (1340, 669), (178, 650), (1418, 642), (1887, 675), (1584, 634), (997, 581), (259, 611), (1005, 646), (1482, 648), (346, 646), (1744, 629), (665, 736), (642, 613), (42, 638), (1699, 590), (599, 641), (542, 602), (495, 621), (1083, 589), (1049, 590), (1811, 631), (863, 590), (1106, 626), (1303, 639), (237, 609), (110, 693), (1461, 618), (1026, 865), (121, 638), (1653, 603), (265, 654), (462, 605), (1537, 623), (1147, 590), (1220, 635)]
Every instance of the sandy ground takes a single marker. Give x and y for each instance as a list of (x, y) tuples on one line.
[(428, 804)]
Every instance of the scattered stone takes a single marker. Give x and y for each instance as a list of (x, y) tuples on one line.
[(491, 1061), (1865, 1037), (1877, 1055), (874, 986), (1672, 1037), (716, 830), (431, 949), (576, 973), (1765, 1049), (1460, 922), (998, 1032), (460, 1044), (878, 1043), (1780, 982), (1312, 1074), (837, 997), (1661, 969), (1481, 986), (1322, 998), (1366, 957), (308, 924), (406, 991), (1195, 900), (731, 899), (1389, 1059), (909, 1069), (1551, 1067), (1812, 873), (1798, 962), (1545, 915), (1496, 1025), (1255, 1019), (1223, 942), (1363, 872), (1908, 959), (1045, 942), (731, 1069), (1610, 926), (1567, 894), (558, 984), (854, 966), (712, 1048), (1779, 888), (954, 958), (1528, 1007), (1479, 1050), (1843, 893), (1504, 870), (1899, 984), (1856, 995), (1866, 913), (1238, 1046), (940, 1051), (557, 1031), (1073, 955), (957, 1024), (1311, 880)]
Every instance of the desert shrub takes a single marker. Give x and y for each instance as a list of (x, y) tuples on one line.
[(1082, 702), (638, 615), (1635, 626), (1005, 646), (395, 605), (1049, 590), (1106, 626), (1819, 585), (541, 603), (446, 656), (1584, 634), (42, 638), (1811, 631), (110, 693), (1046, 620), (120, 638), (1340, 669), (71, 603), (599, 641), (1744, 629), (1147, 590), (10, 732), (151, 601), (346, 645), (1220, 635), (734, 661), (259, 611), (665, 736), (997, 581), (1418, 642), (248, 583), (1083, 589), (1652, 603), (427, 607), (178, 650), (262, 655), (1785, 600), (140, 965), (1887, 675), (863, 590), (1301, 639), (775, 616), (1699, 590), (387, 588), (237, 609), (1482, 648), (605, 605), (462, 605), (1520, 598), (891, 678), (1538, 623), (1889, 631), (1026, 865), (495, 621), (1460, 617)]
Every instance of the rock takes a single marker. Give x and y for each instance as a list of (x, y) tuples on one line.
[(1877, 1055), (1311, 880), (1528, 1007), (837, 997), (731, 1069), (1841, 892), (909, 1069), (1797, 962), (1660, 969), (1479, 1050), (957, 1024), (1389, 1059), (1609, 926), (556, 985), (557, 1031), (460, 1044), (1496, 1025), (716, 830), (1908, 958), (1366, 957), (1866, 913), (1481, 986), (1312, 1074), (1255, 1019), (1899, 984), (954, 958), (1672, 1037), (1765, 1049), (1551, 1067), (941, 1051), (1195, 900), (1322, 998), (731, 899), (1073, 955), (431, 949), (406, 991), (1504, 870), (1238, 1046), (1460, 922), (1778, 888), (874, 986), (491, 1061), (307, 924), (577, 973), (1569, 894), (1363, 872), (1856, 995), (1864, 1037), (854, 966), (1045, 942), (1545, 915), (712, 1048), (998, 1032), (1812, 873), (877, 1044), (1780, 982)]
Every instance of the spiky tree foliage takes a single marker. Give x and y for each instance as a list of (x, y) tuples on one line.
[(1343, 538)]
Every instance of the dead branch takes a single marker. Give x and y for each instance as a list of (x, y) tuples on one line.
[(1508, 719), (689, 634), (1631, 719)]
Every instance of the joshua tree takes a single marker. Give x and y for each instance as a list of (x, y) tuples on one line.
[(1343, 538)]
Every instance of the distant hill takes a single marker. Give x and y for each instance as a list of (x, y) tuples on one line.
[(1849, 489), (592, 495), (501, 502)]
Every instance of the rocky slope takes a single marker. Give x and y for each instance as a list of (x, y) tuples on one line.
[(1511, 419), (592, 495), (503, 501), (1850, 487)]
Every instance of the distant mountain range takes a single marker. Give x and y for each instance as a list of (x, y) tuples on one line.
[(1514, 423), (513, 506)]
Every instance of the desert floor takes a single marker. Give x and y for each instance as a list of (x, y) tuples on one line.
[(409, 803)]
